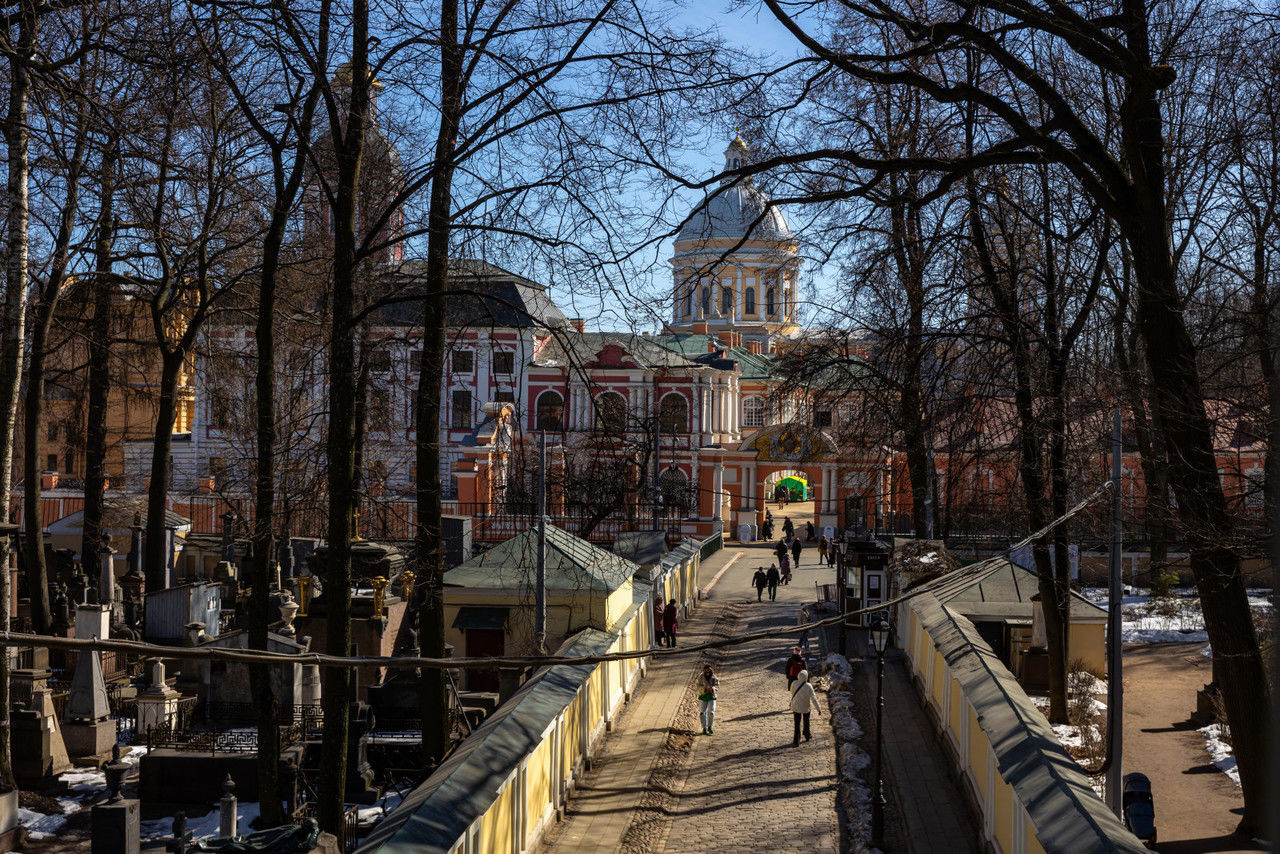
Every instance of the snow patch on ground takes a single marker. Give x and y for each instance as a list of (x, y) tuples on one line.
[(1176, 619), (202, 827), (38, 824), (84, 785), (852, 760), (1220, 751), (369, 817)]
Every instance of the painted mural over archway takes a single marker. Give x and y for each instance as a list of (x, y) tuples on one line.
[(790, 443)]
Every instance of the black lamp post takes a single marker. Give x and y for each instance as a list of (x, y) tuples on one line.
[(842, 546), (879, 640)]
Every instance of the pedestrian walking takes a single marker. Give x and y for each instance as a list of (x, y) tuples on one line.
[(804, 700), (795, 551), (823, 545), (781, 549), (760, 581), (669, 622), (659, 636), (788, 528), (773, 577), (794, 665), (811, 533), (707, 684), (784, 569)]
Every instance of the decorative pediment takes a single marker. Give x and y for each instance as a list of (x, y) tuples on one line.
[(612, 356), (792, 443)]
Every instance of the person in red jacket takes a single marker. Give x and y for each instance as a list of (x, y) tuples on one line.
[(794, 665), (669, 622)]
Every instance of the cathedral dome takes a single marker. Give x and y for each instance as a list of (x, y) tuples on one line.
[(734, 209)]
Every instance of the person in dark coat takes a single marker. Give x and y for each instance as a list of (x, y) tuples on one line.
[(760, 581), (795, 551), (669, 622), (794, 665), (823, 545), (788, 528), (659, 635), (810, 532), (784, 568), (781, 549), (773, 577)]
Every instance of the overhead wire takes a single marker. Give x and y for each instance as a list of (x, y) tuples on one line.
[(941, 586)]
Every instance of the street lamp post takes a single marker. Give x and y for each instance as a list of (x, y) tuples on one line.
[(841, 580), (879, 640)]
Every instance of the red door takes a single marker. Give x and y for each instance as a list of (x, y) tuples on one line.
[(482, 643)]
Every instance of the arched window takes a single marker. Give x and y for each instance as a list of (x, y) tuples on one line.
[(771, 302), (611, 413), (550, 411), (673, 414), (726, 301), (753, 412), (674, 486), (750, 301), (706, 302)]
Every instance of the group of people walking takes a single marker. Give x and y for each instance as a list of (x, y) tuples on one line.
[(803, 702)]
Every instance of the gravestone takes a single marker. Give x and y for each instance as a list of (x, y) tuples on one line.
[(158, 705), (116, 822), (360, 788), (42, 754), (89, 730)]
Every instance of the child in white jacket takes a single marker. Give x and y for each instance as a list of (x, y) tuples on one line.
[(804, 700)]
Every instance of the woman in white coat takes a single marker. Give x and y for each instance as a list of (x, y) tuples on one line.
[(804, 700)]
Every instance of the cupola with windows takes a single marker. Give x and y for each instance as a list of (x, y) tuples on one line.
[(736, 260)]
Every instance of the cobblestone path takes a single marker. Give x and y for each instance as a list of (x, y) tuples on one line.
[(745, 787)]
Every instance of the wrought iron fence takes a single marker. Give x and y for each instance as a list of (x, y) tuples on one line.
[(350, 820), (501, 521), (711, 545)]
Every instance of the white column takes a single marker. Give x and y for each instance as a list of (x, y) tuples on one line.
[(717, 483), (695, 398), (735, 406)]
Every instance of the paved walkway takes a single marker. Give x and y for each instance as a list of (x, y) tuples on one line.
[(658, 786), (932, 814), (1197, 806)]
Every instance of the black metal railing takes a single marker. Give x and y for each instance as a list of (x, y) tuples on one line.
[(501, 520), (711, 545)]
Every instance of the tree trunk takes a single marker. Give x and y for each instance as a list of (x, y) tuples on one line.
[(263, 525), (33, 404), (430, 552), (33, 419), (156, 545), (1202, 510), (15, 307), (1006, 301), (341, 439), (905, 235), (1179, 403), (99, 334)]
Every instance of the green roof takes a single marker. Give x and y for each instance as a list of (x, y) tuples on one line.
[(693, 345), (1007, 592), (572, 564)]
